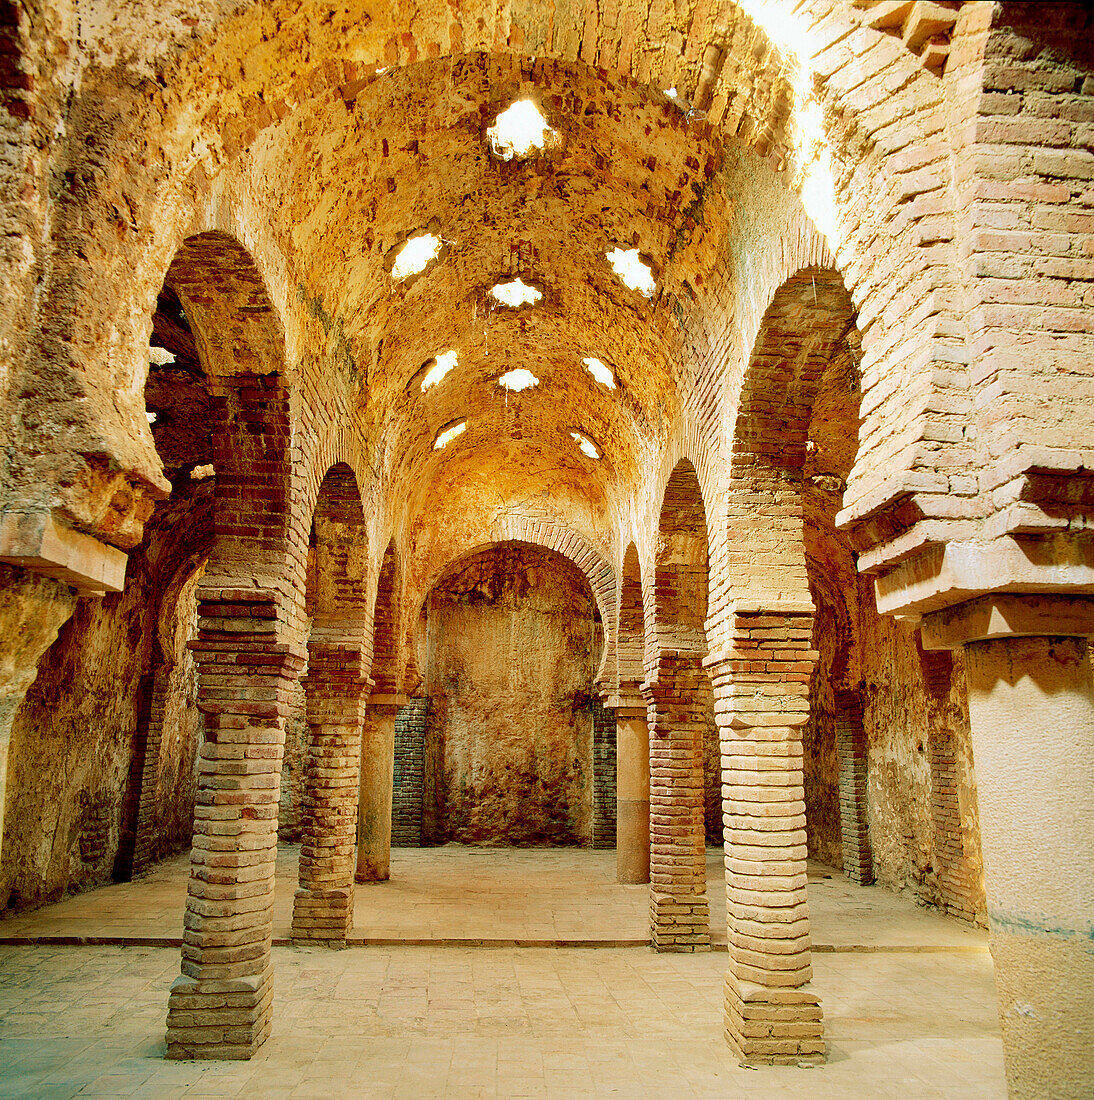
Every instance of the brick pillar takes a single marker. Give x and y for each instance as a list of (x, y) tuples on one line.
[(150, 772), (761, 690), (679, 910), (409, 779), (604, 774), (220, 1006), (377, 788), (335, 690), (858, 858)]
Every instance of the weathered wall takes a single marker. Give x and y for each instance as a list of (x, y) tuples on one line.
[(512, 648), (922, 787), (165, 817), (77, 756), (292, 770), (712, 766), (820, 763)]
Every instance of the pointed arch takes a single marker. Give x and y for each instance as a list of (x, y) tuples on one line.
[(630, 643)]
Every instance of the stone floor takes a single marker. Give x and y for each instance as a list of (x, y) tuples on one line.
[(908, 998), (457, 895)]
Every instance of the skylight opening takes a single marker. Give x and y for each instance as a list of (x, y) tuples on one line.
[(519, 379), (161, 357), (515, 294), (631, 269), (439, 368), (448, 434), (520, 130), (151, 417), (600, 372), (586, 445), (416, 255)]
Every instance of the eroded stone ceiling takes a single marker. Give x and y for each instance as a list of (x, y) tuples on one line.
[(347, 183)]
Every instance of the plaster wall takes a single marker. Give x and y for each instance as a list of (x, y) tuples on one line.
[(512, 647), (80, 738), (914, 700)]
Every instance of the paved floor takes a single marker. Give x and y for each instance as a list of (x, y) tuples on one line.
[(908, 1000), (500, 896)]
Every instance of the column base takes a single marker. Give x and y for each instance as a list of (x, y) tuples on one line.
[(679, 922), (228, 1019), (324, 916), (770, 1026), (371, 872)]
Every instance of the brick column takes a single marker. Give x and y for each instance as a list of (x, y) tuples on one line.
[(409, 778), (150, 768), (605, 778), (220, 1006), (679, 910), (858, 858), (335, 690), (376, 788), (761, 690)]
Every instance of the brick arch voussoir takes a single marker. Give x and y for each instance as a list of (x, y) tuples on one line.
[(806, 322), (898, 203), (631, 628), (241, 345), (696, 443), (387, 671), (563, 540), (682, 511), (336, 600)]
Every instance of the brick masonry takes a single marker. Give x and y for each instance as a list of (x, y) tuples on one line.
[(761, 687), (858, 860), (406, 804), (604, 774), (960, 231)]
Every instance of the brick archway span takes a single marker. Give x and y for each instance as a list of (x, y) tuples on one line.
[(806, 324), (676, 690), (386, 672), (761, 678), (542, 532), (598, 573), (630, 643), (338, 558), (722, 52), (681, 565), (240, 342), (340, 652), (249, 648)]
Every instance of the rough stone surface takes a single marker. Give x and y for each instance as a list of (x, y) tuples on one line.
[(512, 647), (865, 352)]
